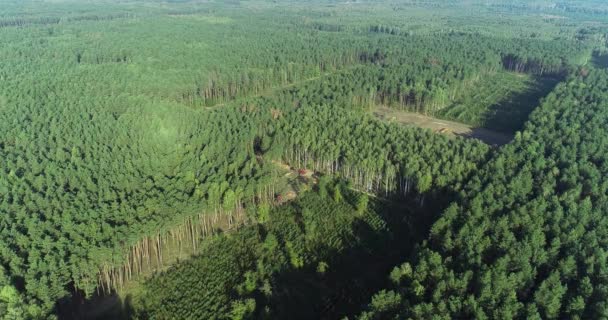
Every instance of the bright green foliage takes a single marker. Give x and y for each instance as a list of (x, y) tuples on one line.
[(375, 156), (12, 304), (362, 202), (263, 212), (322, 186), (242, 309), (322, 267), (123, 119), (401, 272), (384, 305), (429, 74), (337, 194)]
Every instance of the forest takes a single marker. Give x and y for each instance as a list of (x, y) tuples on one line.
[(188, 159)]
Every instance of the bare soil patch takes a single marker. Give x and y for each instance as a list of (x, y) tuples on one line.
[(449, 128)]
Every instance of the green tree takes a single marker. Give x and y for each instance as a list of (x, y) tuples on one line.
[(362, 202)]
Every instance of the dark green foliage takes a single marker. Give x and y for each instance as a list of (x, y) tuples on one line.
[(527, 238), (205, 286), (600, 59), (284, 265)]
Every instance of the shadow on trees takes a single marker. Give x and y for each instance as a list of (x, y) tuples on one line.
[(358, 271), (99, 306), (493, 138), (354, 274), (510, 114), (600, 60)]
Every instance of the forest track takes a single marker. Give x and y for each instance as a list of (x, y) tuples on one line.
[(272, 90), (446, 127)]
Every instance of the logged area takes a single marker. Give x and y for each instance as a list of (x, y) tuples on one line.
[(501, 101), (446, 127), (310, 159)]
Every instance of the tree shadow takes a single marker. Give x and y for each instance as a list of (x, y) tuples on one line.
[(493, 138), (355, 273), (600, 60), (353, 276), (99, 306), (510, 114)]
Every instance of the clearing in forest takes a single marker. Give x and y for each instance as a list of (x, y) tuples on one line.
[(442, 126), (500, 101), (492, 110)]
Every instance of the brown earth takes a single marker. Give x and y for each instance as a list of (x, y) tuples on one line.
[(449, 128)]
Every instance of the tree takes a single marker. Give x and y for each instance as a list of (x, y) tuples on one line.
[(242, 310), (362, 201), (337, 194), (263, 212)]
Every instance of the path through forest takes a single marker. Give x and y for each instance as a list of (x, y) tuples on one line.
[(272, 90), (442, 126)]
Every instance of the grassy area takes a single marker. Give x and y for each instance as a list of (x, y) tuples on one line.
[(499, 101), (449, 128)]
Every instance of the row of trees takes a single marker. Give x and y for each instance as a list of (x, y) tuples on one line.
[(523, 231), (298, 264), (379, 158), (375, 156), (295, 137), (426, 73)]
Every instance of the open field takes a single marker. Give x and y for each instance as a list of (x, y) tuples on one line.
[(449, 128)]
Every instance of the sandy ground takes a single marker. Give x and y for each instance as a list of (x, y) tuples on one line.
[(443, 126)]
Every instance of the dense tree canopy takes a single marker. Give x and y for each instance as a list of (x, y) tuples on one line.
[(304, 257), (527, 237), (130, 124)]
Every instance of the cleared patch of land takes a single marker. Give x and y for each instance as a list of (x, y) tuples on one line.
[(449, 128), (500, 101)]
